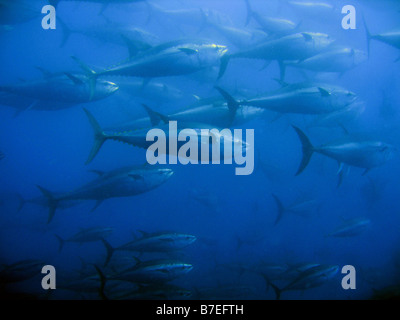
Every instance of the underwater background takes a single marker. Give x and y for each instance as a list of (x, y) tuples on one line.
[(241, 250)]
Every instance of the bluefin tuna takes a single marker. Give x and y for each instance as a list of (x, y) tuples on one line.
[(18, 11), (220, 114), (312, 277), (122, 182), (297, 46), (104, 3), (363, 154), (133, 38), (301, 98), (20, 271), (337, 60), (303, 207), (174, 58), (138, 138), (351, 228), (152, 242), (273, 26), (58, 91), (154, 91), (391, 38), (86, 235), (151, 272)]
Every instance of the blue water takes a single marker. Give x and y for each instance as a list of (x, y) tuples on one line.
[(234, 223)]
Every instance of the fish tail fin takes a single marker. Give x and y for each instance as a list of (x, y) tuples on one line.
[(52, 202), (368, 34), (223, 65), (110, 251), (66, 32), (155, 117), (103, 280), (250, 12), (233, 104), (268, 283), (61, 242), (281, 209), (135, 47), (90, 73), (150, 11), (99, 136), (307, 148)]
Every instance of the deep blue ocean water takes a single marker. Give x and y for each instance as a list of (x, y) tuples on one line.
[(233, 217)]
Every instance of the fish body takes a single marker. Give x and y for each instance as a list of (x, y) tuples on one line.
[(123, 182), (175, 58), (339, 60), (362, 154), (351, 228), (56, 91)]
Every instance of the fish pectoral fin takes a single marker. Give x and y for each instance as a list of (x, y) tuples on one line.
[(188, 51), (342, 172), (98, 203), (136, 176), (366, 171), (46, 73), (155, 117), (74, 79), (98, 172), (324, 92), (341, 165)]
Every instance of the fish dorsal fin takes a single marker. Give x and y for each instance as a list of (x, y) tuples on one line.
[(137, 261), (98, 172), (281, 82), (188, 51), (324, 92), (155, 117), (89, 71), (144, 233), (46, 73), (307, 36), (233, 105), (74, 79), (135, 47)]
